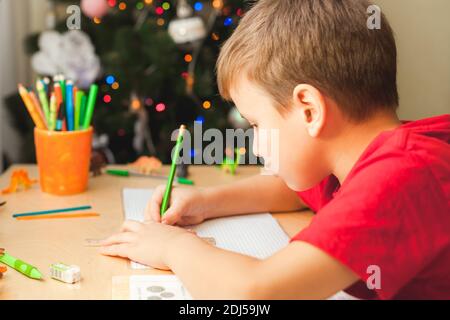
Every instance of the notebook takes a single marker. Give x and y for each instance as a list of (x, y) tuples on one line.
[(256, 235)]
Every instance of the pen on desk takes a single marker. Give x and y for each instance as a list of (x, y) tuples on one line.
[(166, 198), (127, 173), (20, 266)]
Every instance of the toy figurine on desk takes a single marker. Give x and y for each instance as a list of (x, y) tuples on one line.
[(147, 165), (19, 178), (101, 154), (98, 161), (229, 165)]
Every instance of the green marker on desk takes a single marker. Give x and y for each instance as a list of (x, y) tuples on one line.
[(127, 173), (21, 266)]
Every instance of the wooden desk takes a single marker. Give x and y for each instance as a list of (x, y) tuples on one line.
[(43, 242)]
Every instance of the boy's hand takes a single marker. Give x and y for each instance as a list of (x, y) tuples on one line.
[(146, 243), (187, 206)]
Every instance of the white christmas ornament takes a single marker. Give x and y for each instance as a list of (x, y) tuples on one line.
[(186, 28), (70, 53)]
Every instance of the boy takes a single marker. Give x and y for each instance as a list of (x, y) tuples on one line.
[(313, 71)]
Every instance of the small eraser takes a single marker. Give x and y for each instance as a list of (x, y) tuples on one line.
[(65, 273)]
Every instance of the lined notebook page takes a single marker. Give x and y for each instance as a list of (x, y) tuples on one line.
[(256, 235)]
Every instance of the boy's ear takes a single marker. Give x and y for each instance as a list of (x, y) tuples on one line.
[(312, 107)]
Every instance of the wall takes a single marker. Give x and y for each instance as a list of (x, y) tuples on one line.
[(422, 29)]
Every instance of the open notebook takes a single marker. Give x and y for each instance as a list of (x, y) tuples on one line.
[(256, 235)]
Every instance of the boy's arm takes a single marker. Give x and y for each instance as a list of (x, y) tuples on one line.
[(251, 195), (299, 271)]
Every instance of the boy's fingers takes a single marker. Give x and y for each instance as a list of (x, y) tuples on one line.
[(153, 207), (123, 237), (171, 216), (120, 250), (153, 210), (131, 225)]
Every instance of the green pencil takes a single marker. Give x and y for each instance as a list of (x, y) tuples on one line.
[(90, 106), (20, 266), (82, 111), (166, 198), (62, 83), (78, 100), (43, 98)]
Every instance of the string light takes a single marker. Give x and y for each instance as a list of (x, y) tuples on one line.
[(160, 107), (148, 1), (110, 79), (122, 6), (148, 101), (228, 21), (107, 98), (188, 58), (135, 104), (198, 6), (160, 22), (207, 104), (166, 6), (215, 36), (97, 20), (242, 150), (239, 12), (112, 3), (159, 11), (115, 85), (121, 132), (200, 119), (217, 4), (193, 153), (139, 5)]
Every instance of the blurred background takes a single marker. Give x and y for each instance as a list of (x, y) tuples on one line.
[(154, 63)]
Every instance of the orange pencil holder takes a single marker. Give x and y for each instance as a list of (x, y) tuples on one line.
[(63, 159)]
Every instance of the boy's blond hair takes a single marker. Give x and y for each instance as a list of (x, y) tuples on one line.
[(325, 43)]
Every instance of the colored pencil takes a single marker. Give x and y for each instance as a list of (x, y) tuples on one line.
[(82, 111), (30, 107), (90, 106), (53, 112), (37, 213), (69, 106), (62, 216), (78, 100), (167, 192), (58, 94), (43, 98), (37, 106)]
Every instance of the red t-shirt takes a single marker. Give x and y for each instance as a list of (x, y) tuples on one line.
[(393, 212)]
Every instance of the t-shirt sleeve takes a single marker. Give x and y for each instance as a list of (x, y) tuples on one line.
[(385, 218), (318, 196)]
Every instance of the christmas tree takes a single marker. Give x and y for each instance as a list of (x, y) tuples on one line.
[(157, 61)]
